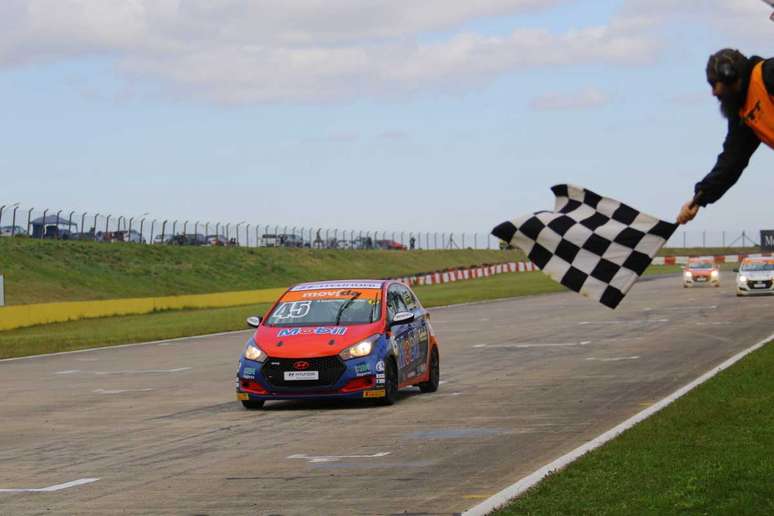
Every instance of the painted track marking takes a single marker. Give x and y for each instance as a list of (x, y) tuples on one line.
[(50, 489), (126, 371), (534, 344), (336, 458), (614, 359)]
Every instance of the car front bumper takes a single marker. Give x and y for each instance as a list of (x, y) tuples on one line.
[(356, 379)]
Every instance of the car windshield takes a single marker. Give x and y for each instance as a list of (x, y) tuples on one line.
[(329, 307), (701, 265), (757, 266)]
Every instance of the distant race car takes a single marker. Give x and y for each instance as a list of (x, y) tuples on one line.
[(339, 339), (755, 276), (701, 271)]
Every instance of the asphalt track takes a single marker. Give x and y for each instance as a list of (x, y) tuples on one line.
[(525, 381)]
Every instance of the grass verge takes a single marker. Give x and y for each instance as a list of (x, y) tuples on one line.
[(51, 338), (707, 453), (46, 271)]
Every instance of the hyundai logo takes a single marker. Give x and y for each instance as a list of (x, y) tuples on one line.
[(301, 364)]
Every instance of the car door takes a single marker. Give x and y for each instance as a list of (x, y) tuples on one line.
[(419, 328), (401, 334)]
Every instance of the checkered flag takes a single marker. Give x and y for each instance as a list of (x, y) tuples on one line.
[(591, 244)]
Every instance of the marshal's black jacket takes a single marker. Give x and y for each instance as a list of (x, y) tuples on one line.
[(738, 147)]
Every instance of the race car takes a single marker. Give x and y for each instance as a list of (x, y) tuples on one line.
[(755, 276), (339, 339), (701, 271)]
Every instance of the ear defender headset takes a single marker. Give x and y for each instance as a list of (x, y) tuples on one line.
[(723, 66), (725, 72)]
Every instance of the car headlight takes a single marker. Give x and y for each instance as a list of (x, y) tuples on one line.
[(361, 349), (742, 279), (714, 274), (253, 352), (687, 275)]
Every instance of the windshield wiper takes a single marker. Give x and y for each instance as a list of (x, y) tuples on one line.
[(345, 306)]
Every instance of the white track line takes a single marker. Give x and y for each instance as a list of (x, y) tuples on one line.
[(120, 346), (50, 489), (525, 483)]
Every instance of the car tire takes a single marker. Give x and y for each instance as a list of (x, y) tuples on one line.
[(252, 404), (435, 373), (390, 383)]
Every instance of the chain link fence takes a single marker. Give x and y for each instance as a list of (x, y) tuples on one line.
[(16, 220), (30, 222)]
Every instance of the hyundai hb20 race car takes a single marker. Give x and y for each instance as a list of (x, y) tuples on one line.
[(701, 271), (339, 339), (755, 276)]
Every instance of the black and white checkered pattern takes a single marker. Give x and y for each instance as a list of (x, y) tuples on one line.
[(591, 244)]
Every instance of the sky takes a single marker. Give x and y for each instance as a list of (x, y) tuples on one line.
[(434, 115)]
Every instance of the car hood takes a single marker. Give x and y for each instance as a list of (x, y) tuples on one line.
[(757, 275), (312, 341)]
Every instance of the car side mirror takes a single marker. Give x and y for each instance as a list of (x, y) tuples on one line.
[(402, 318), (254, 321)]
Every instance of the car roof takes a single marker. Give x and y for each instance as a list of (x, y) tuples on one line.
[(339, 284)]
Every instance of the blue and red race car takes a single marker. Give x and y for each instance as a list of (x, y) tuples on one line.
[(339, 339)]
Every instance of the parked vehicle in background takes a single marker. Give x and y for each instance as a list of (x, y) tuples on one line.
[(701, 271), (215, 240), (7, 231), (363, 243), (291, 240), (389, 244), (131, 235), (755, 276), (163, 239), (188, 239), (282, 240)]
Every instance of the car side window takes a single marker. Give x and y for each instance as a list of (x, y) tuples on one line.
[(395, 302), (408, 298)]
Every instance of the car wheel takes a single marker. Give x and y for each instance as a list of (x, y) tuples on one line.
[(435, 373), (390, 383), (252, 404)]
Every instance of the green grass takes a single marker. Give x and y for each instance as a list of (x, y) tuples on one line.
[(48, 271), (710, 452), (91, 333), (108, 331)]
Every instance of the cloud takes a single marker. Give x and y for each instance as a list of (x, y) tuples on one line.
[(235, 52), (587, 99)]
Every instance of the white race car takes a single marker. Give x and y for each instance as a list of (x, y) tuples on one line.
[(755, 276)]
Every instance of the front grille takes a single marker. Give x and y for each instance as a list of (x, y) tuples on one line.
[(330, 370), (763, 284)]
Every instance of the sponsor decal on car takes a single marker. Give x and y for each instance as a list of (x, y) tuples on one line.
[(340, 285), (248, 373), (379, 367), (243, 396), (320, 330), (378, 393), (362, 369), (380, 379)]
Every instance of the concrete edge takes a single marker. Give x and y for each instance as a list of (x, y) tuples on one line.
[(504, 496)]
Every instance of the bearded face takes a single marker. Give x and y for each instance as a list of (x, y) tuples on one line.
[(731, 100)]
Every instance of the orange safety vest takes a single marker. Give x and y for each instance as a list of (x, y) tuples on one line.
[(758, 109)]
